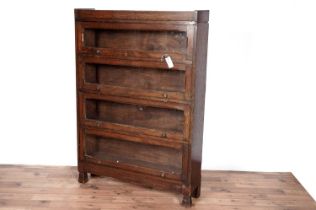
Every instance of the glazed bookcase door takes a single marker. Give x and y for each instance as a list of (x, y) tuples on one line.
[(131, 153), (157, 119), (135, 78), (137, 40)]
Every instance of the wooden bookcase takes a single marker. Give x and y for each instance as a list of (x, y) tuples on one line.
[(140, 116)]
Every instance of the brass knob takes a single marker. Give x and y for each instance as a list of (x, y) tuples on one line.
[(164, 135), (165, 95), (98, 89), (162, 174), (140, 108), (117, 161), (98, 52)]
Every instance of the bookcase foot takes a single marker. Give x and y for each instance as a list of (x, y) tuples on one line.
[(197, 192), (83, 177), (187, 201)]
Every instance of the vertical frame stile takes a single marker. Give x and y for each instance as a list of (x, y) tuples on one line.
[(192, 46), (188, 82), (185, 162), (192, 81), (82, 144), (190, 35), (82, 109), (80, 36), (79, 154), (81, 73), (187, 120), (80, 128), (191, 31), (80, 98)]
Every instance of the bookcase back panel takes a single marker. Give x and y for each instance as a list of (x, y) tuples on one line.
[(135, 115), (135, 77)]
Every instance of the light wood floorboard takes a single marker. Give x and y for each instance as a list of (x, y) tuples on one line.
[(45, 187)]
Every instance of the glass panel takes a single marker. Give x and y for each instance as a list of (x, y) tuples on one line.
[(131, 153), (139, 116), (138, 78), (170, 41)]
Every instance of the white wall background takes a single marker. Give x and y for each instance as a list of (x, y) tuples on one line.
[(261, 89)]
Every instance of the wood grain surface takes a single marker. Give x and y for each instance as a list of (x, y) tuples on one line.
[(47, 187)]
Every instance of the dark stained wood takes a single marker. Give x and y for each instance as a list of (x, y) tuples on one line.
[(135, 137), (83, 177), (138, 119), (106, 15), (199, 78), (56, 188), (94, 59)]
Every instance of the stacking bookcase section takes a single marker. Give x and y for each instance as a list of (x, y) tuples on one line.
[(125, 151), (159, 119), (136, 40), (140, 97), (141, 79)]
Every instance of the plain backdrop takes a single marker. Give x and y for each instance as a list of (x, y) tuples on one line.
[(261, 90)]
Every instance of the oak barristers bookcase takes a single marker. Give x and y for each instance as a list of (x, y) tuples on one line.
[(140, 97)]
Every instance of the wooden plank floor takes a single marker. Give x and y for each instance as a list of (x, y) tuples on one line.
[(43, 187)]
